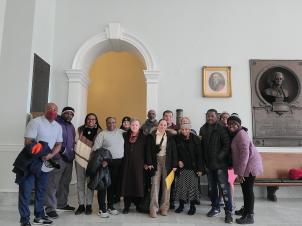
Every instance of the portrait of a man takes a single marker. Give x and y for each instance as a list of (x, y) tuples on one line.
[(216, 81), (276, 92)]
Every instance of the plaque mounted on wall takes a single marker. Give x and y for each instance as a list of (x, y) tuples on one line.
[(276, 102)]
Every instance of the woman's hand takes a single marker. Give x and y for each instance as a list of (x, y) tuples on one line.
[(180, 164), (174, 169), (199, 173), (240, 179)]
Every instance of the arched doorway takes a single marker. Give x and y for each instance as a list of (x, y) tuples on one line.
[(117, 87), (114, 38)]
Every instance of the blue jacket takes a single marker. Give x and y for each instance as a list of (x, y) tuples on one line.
[(27, 163)]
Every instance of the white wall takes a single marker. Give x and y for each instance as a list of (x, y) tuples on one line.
[(183, 37), (2, 14), (28, 28)]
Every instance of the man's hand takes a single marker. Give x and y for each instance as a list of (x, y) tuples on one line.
[(47, 157)]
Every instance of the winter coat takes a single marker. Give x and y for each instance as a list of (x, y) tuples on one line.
[(133, 166), (189, 152), (246, 158), (28, 163), (215, 145), (171, 151), (99, 176)]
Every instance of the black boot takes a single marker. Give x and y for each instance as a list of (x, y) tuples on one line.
[(88, 210), (246, 219), (80, 210), (181, 206), (192, 209), (239, 212)]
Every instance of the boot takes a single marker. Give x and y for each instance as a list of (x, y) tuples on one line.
[(181, 206), (246, 219), (192, 209), (239, 212), (80, 210)]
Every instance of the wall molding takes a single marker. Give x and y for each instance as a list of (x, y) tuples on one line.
[(11, 147)]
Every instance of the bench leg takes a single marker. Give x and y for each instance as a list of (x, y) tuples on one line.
[(271, 193)]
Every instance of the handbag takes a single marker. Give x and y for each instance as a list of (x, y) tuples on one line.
[(82, 153)]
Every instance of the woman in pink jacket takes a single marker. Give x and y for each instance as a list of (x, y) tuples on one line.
[(247, 165)]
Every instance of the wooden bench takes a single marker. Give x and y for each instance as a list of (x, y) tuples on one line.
[(276, 166)]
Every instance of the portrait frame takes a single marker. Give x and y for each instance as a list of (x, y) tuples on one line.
[(216, 81)]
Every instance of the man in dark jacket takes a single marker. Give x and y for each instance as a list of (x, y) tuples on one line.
[(41, 129), (59, 179), (216, 150)]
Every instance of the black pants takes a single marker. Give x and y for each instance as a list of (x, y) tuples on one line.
[(248, 194), (114, 189)]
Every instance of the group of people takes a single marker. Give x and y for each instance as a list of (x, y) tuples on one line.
[(133, 162)]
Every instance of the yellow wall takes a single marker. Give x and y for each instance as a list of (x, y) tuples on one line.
[(117, 87)]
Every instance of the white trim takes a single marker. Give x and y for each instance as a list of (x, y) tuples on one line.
[(11, 147), (77, 76), (113, 38), (280, 149), (12, 190)]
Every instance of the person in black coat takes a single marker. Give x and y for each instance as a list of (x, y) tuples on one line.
[(189, 168), (161, 157), (132, 188), (215, 143)]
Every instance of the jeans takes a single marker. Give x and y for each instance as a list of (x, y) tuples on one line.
[(219, 178), (25, 188), (248, 194)]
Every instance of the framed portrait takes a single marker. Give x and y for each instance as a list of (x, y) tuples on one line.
[(216, 81)]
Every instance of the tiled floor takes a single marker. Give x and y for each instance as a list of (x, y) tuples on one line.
[(286, 212)]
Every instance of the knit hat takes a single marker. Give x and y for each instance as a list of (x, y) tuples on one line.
[(234, 117), (66, 109)]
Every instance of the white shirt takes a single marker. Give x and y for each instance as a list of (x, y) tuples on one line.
[(41, 129), (164, 143), (111, 140)]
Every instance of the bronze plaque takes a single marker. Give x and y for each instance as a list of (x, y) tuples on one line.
[(276, 102)]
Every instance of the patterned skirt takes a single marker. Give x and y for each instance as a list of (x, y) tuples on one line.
[(187, 186)]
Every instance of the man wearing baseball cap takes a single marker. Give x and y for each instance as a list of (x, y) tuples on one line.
[(59, 179)]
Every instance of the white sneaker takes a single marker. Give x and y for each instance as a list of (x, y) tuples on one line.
[(113, 211), (103, 214)]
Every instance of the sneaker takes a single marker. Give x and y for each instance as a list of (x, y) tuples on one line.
[(80, 210), (42, 221), (103, 214), (239, 212), (26, 224), (88, 210), (66, 208), (113, 211), (213, 212), (228, 218), (52, 214)]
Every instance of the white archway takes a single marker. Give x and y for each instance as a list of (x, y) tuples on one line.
[(114, 38)]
